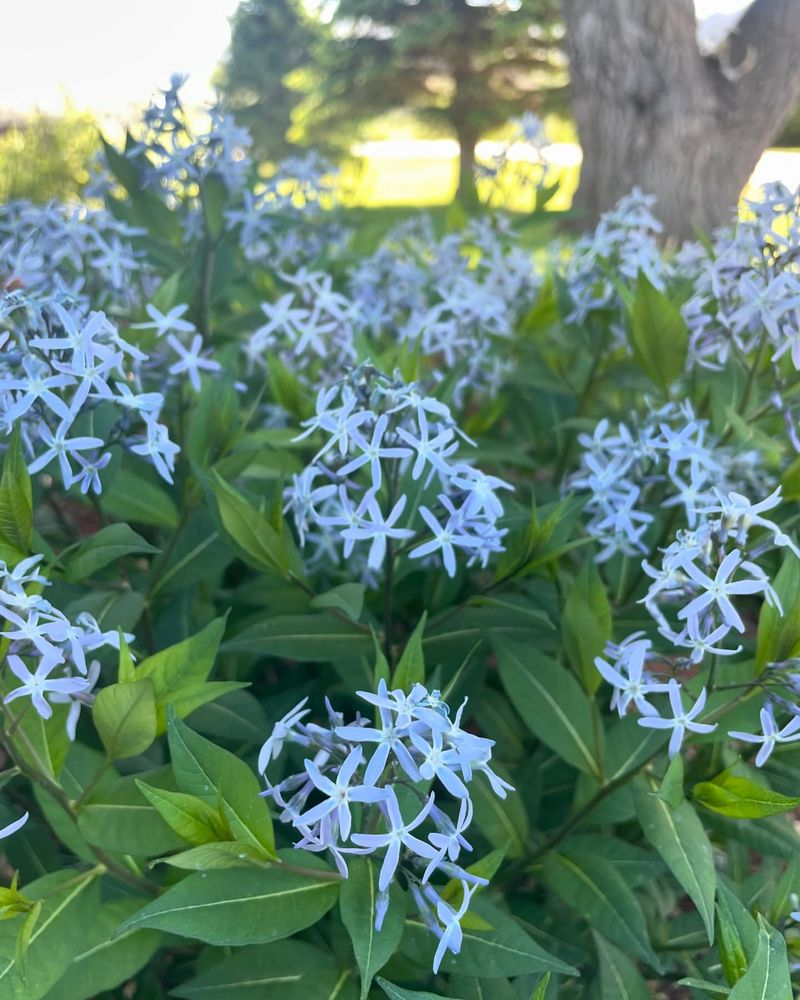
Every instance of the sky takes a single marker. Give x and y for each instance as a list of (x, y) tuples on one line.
[(108, 56)]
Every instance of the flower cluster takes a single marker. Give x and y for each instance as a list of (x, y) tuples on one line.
[(447, 298), (70, 253), (312, 320), (367, 788), (388, 448), (59, 370), (693, 598), (670, 451), (625, 242), (43, 638)]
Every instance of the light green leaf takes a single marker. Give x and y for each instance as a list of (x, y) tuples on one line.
[(178, 672), (239, 906), (658, 334), (767, 976), (125, 718), (223, 854), (741, 798), (106, 545), (678, 836), (737, 934), (410, 669), (191, 818), (16, 498), (357, 899), (550, 701), (213, 774)]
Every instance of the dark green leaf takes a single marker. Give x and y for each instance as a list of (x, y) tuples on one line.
[(658, 334), (102, 548), (239, 906), (767, 977), (318, 638), (586, 624), (357, 900), (410, 669), (678, 836), (619, 977), (551, 703)]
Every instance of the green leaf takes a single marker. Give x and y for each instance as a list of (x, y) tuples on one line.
[(132, 497), (16, 497), (103, 961), (678, 836), (671, 790), (258, 541), (125, 718), (117, 817), (178, 673), (102, 548), (586, 624), (599, 893), (399, 993), (214, 197), (505, 950), (347, 597), (410, 669), (67, 909), (619, 977), (504, 822), (658, 334), (317, 638), (779, 634), (741, 798), (286, 970), (222, 854), (239, 906), (705, 986), (357, 900), (212, 774), (550, 701), (191, 818), (737, 934), (767, 976)]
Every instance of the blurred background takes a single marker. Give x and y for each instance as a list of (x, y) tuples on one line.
[(412, 99)]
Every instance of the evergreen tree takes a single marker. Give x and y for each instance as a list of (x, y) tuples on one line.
[(466, 65), (270, 40)]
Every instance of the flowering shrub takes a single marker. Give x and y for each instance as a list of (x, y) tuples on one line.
[(414, 621)]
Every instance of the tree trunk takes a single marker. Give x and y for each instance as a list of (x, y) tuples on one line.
[(467, 193), (653, 113)]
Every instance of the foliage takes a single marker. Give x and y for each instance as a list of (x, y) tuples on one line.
[(397, 621), (47, 157), (270, 44)]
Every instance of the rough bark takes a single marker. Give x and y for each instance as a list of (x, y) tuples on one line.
[(653, 112)]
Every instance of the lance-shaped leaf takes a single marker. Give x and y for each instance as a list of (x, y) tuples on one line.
[(125, 717), (551, 703), (240, 906), (678, 836), (357, 901)]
